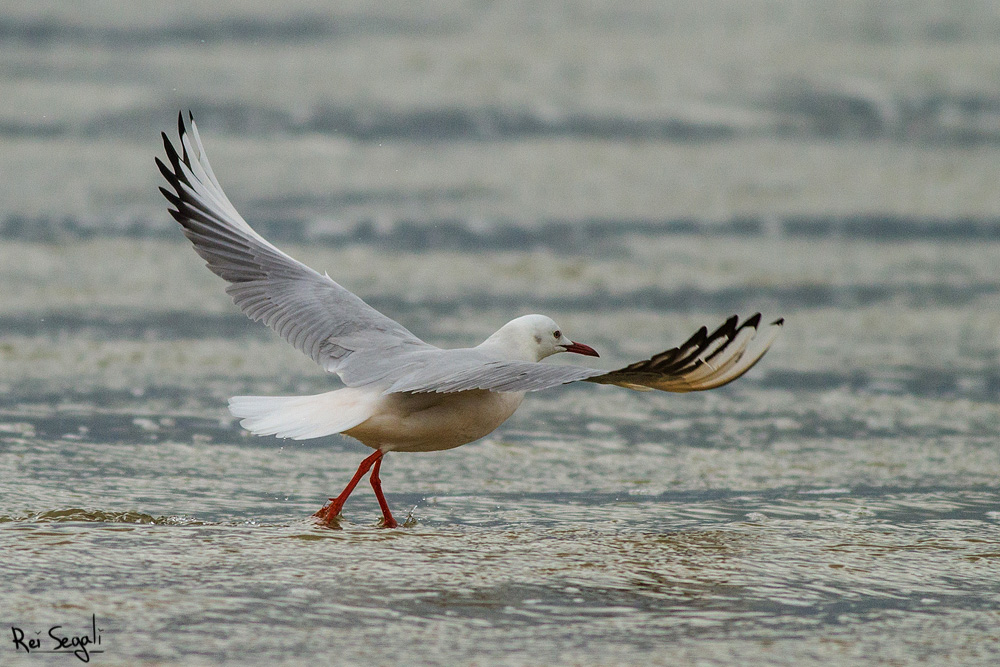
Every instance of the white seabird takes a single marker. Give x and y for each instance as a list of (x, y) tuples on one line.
[(402, 394)]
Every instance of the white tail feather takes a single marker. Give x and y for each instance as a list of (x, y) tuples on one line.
[(304, 417)]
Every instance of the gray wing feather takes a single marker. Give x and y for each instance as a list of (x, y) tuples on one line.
[(704, 361), (448, 371), (309, 310)]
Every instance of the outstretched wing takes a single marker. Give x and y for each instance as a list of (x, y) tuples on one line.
[(309, 310), (704, 361)]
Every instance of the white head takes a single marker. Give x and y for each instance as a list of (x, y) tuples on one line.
[(532, 338)]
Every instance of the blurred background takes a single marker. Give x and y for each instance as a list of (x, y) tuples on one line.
[(664, 156), (633, 169)]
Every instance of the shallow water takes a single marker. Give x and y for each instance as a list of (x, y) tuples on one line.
[(837, 505), (634, 172)]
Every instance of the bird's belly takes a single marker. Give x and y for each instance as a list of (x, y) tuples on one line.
[(429, 422)]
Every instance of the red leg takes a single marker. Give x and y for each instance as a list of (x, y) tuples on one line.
[(329, 513), (387, 520)]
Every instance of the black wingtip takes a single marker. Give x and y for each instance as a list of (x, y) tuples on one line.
[(174, 200), (172, 155), (165, 170), (778, 322)]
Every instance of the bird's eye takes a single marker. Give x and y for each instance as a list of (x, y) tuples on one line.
[(557, 334)]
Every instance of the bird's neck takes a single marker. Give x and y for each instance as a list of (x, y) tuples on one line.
[(503, 347)]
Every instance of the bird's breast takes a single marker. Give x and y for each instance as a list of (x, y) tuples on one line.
[(429, 422)]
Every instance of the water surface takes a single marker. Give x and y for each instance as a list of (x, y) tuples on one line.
[(633, 172)]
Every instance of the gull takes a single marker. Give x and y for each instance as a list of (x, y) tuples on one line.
[(400, 393)]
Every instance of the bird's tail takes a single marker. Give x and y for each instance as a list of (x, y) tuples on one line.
[(304, 417)]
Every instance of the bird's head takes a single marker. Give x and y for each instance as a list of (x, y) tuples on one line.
[(534, 337)]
